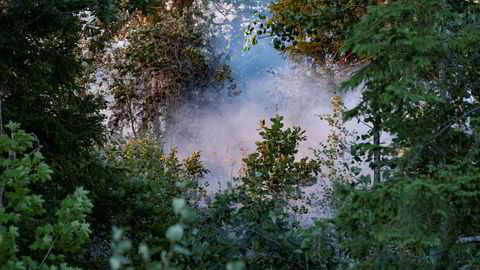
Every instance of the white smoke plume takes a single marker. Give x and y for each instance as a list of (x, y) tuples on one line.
[(225, 133)]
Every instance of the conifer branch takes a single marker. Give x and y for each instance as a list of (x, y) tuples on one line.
[(447, 126)]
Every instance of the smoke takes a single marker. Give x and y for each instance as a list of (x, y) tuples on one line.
[(226, 129), (226, 132)]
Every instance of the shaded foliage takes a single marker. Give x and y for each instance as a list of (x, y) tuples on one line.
[(166, 65), (29, 237)]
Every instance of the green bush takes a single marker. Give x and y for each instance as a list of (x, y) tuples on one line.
[(29, 237)]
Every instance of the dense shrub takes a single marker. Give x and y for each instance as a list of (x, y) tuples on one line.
[(31, 238)]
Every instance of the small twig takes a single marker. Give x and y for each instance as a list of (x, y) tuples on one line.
[(49, 250), (215, 4), (1, 196), (281, 258), (350, 7), (264, 237), (1, 133), (448, 125), (469, 239), (306, 261), (359, 120), (352, 65)]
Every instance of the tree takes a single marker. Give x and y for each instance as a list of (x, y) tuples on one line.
[(41, 74), (273, 169), (48, 49), (417, 222), (418, 84), (316, 32), (253, 219), (166, 64), (419, 87), (317, 29)]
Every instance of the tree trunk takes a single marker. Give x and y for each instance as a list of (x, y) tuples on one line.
[(377, 151), (377, 175), (1, 133), (180, 5)]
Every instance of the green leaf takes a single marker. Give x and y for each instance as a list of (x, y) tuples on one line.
[(178, 204), (174, 233), (182, 250), (144, 252), (254, 40), (117, 233), (115, 262), (237, 265)]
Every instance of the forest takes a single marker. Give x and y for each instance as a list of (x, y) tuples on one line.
[(239, 134)]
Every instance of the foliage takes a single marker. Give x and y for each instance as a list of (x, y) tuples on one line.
[(47, 49), (416, 86), (317, 29), (252, 221), (139, 198), (173, 234), (416, 89), (158, 178), (166, 64), (41, 86), (415, 222), (28, 238), (272, 169), (321, 248), (337, 164), (40, 70)]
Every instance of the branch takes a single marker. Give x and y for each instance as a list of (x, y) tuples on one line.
[(264, 237), (49, 250), (469, 239), (358, 118), (216, 5), (281, 258), (351, 7), (352, 65), (447, 126), (44, 12), (264, 37)]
